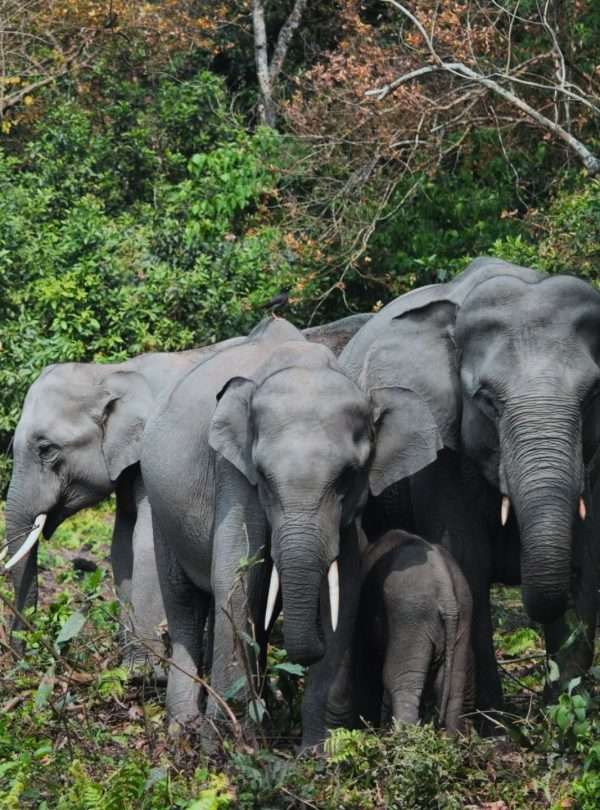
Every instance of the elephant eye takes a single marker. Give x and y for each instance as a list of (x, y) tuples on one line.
[(347, 475), (487, 403), (48, 452)]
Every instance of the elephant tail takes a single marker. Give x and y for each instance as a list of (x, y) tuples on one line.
[(450, 616), (450, 620)]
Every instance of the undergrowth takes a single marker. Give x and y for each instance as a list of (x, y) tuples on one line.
[(77, 733)]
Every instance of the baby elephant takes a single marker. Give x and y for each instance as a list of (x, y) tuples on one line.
[(412, 646)]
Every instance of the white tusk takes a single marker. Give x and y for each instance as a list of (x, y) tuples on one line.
[(582, 509), (29, 543), (333, 578), (504, 510), (272, 597), (3, 553)]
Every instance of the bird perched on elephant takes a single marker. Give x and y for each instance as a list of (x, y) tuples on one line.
[(77, 441), (489, 390), (411, 651), (261, 452)]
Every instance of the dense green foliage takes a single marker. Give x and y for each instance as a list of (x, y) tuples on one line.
[(152, 217), (156, 219), (119, 234)]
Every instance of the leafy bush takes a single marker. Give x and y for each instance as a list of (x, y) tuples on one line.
[(117, 236)]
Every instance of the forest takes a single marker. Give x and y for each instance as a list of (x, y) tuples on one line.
[(165, 168)]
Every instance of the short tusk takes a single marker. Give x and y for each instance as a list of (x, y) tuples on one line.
[(32, 539), (504, 510), (333, 579), (272, 597), (582, 509)]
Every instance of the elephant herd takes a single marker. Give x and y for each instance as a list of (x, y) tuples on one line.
[(370, 479)]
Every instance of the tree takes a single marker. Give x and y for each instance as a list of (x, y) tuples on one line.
[(268, 70), (501, 77)]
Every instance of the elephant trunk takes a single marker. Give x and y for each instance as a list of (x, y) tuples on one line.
[(543, 469), (19, 523), (301, 568)]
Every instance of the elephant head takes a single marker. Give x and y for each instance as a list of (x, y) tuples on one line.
[(301, 433), (511, 378), (80, 428)]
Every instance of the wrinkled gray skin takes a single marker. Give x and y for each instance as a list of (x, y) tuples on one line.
[(278, 469), (78, 440), (412, 641), (488, 387)]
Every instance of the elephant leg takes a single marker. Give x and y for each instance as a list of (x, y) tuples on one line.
[(238, 595), (406, 668), (325, 696), (121, 550), (368, 694), (186, 609), (452, 504), (147, 608), (460, 692), (488, 686), (121, 557)]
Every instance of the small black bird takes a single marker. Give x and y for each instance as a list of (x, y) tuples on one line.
[(278, 301)]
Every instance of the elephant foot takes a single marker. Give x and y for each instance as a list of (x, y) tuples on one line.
[(143, 666), (185, 726), (196, 732), (144, 669)]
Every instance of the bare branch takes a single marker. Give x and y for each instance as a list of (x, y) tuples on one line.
[(261, 57), (285, 37), (589, 160), (268, 74)]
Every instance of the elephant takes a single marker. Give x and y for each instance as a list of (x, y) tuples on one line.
[(77, 441), (488, 444), (411, 646), (256, 470)]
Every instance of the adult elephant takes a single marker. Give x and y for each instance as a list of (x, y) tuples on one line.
[(488, 388), (260, 452), (77, 441)]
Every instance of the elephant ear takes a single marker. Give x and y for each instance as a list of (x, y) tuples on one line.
[(126, 406), (231, 432), (411, 375)]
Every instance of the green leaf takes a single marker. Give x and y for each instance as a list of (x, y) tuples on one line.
[(235, 688), (521, 641), (257, 710), (250, 641), (155, 775), (8, 766), (552, 671), (46, 687), (573, 684), (291, 669), (71, 628)]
